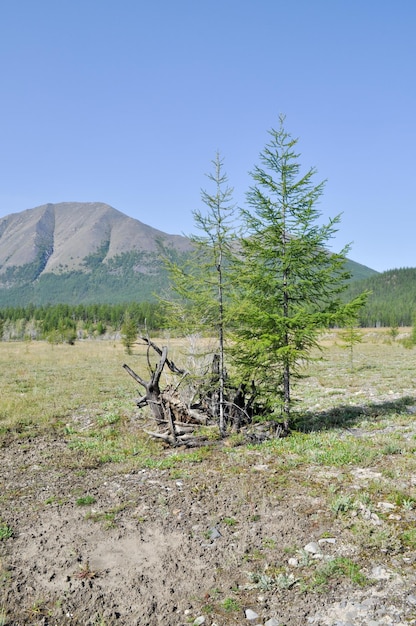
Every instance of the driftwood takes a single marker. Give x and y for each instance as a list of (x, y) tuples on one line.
[(175, 420)]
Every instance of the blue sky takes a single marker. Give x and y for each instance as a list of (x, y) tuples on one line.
[(127, 102)]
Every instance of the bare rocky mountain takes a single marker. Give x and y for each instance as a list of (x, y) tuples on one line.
[(58, 237), (86, 252)]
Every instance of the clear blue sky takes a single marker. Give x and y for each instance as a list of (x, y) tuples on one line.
[(127, 102)]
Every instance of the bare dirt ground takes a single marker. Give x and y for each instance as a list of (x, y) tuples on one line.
[(155, 546)]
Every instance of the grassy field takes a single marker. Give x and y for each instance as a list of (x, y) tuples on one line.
[(347, 471), (82, 392)]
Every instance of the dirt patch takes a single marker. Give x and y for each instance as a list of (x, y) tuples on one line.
[(147, 546)]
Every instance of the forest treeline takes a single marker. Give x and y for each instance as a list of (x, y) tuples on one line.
[(65, 322), (392, 302)]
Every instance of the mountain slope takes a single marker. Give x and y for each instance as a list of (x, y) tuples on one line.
[(86, 252), (64, 234), (391, 300)]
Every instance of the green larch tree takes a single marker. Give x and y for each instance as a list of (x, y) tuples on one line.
[(288, 281), (129, 332), (202, 280)]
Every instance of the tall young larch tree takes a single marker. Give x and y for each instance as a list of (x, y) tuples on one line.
[(289, 283), (201, 282)]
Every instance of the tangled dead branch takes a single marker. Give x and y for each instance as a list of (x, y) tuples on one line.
[(176, 421)]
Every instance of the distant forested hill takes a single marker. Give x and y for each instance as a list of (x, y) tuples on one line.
[(117, 281), (392, 301), (358, 271)]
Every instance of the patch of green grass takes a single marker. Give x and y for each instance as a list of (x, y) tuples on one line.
[(85, 501), (376, 539), (401, 498), (324, 449), (5, 531), (55, 500), (254, 555), (177, 458), (392, 448), (409, 538), (107, 517), (108, 419), (3, 616), (339, 568), (230, 521), (342, 504), (230, 604)]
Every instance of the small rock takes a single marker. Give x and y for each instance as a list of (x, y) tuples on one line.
[(411, 599), (327, 540), (251, 615), (385, 506), (260, 467), (199, 621), (214, 533), (272, 622), (380, 573), (374, 518), (293, 562), (312, 548)]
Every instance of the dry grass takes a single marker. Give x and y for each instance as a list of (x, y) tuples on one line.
[(45, 386), (43, 383), (349, 468)]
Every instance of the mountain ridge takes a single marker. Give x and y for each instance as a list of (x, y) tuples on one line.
[(64, 234), (87, 252)]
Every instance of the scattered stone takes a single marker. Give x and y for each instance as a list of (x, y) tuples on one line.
[(327, 540), (214, 533), (380, 573), (199, 621), (272, 622), (260, 468), (293, 562), (312, 548), (411, 599), (251, 615), (385, 507)]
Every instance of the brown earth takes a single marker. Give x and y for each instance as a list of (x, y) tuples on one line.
[(146, 551)]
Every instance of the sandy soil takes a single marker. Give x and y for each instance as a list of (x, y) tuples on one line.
[(157, 546)]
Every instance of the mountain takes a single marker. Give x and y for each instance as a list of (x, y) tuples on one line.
[(80, 252), (58, 237), (391, 299), (86, 252), (358, 271)]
